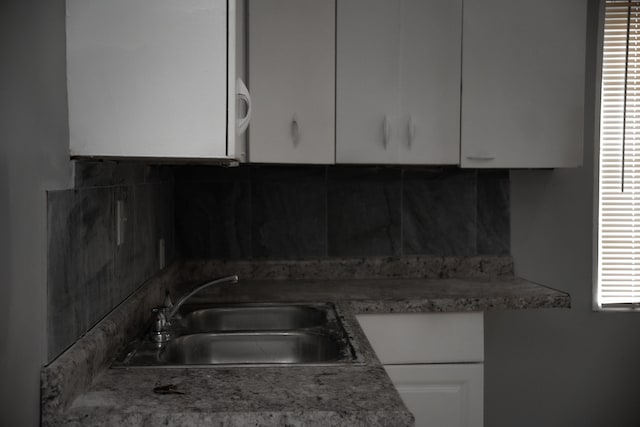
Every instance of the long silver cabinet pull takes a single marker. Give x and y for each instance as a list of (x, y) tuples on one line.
[(243, 93), (411, 131), (386, 128), (295, 130), (481, 157)]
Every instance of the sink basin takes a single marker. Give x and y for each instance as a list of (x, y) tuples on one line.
[(253, 318), (251, 348), (246, 334)]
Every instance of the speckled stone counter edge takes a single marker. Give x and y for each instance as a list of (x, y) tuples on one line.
[(444, 305), (428, 267), (301, 418)]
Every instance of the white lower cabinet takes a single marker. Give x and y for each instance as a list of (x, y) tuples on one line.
[(441, 395), (435, 360)]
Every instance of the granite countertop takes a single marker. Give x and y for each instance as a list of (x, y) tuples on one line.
[(397, 295), (344, 395)]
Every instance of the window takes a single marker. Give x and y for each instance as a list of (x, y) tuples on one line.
[(618, 280)]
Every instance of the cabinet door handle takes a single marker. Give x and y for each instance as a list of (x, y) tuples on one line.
[(412, 131), (386, 128), (481, 157), (295, 131), (243, 93)]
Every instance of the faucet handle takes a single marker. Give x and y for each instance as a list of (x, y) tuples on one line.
[(160, 330), (160, 321), (167, 300)]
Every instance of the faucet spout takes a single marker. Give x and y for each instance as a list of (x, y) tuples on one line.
[(177, 305)]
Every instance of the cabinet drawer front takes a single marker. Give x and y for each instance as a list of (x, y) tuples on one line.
[(425, 337)]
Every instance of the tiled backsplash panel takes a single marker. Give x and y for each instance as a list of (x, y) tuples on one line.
[(254, 212), (88, 273), (96, 255), (66, 308), (439, 212), (493, 213), (288, 212), (153, 218), (364, 211), (125, 261), (213, 212)]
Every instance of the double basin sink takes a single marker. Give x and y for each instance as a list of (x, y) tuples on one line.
[(247, 334)]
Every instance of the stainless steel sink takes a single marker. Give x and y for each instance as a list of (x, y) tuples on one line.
[(247, 334), (252, 348), (253, 318)]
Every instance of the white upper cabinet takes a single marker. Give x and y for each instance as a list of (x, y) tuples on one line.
[(292, 81), (523, 81), (332, 81), (430, 81), (153, 78), (398, 81), (367, 81)]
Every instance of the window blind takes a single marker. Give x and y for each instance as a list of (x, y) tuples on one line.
[(619, 177)]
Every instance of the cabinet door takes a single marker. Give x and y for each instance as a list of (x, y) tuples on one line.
[(147, 78), (441, 395), (430, 59), (292, 81), (398, 81), (368, 81), (523, 83)]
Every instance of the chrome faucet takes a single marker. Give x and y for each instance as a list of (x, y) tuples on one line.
[(184, 298), (161, 327)]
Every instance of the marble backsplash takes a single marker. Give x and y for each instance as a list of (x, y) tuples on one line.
[(88, 274), (287, 212), (254, 212)]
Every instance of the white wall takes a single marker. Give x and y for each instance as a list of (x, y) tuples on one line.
[(558, 367), (33, 159)]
